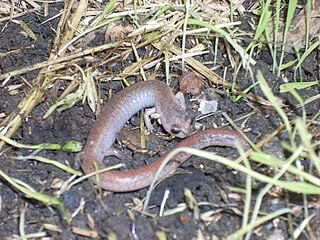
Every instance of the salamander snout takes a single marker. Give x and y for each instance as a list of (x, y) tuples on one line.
[(175, 130), (182, 129)]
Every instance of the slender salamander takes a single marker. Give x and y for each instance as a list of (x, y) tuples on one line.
[(174, 120)]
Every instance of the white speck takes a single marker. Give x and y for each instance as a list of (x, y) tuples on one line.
[(208, 106)]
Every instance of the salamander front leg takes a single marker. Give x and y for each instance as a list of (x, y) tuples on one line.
[(147, 114)]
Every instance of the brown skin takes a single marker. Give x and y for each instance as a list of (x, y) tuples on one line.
[(174, 119), (127, 181)]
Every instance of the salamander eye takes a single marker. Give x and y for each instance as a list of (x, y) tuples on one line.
[(175, 130)]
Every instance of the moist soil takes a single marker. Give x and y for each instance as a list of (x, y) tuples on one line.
[(114, 213)]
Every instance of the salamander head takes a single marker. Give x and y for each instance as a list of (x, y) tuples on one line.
[(179, 126), (173, 115)]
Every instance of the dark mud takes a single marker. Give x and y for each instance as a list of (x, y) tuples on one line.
[(112, 213)]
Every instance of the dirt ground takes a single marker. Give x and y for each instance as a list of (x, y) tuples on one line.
[(115, 213)]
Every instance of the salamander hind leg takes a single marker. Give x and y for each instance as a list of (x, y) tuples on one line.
[(115, 152)]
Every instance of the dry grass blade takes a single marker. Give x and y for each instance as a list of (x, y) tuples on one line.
[(298, 29), (100, 47), (56, 63), (45, 77), (198, 66), (168, 20)]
